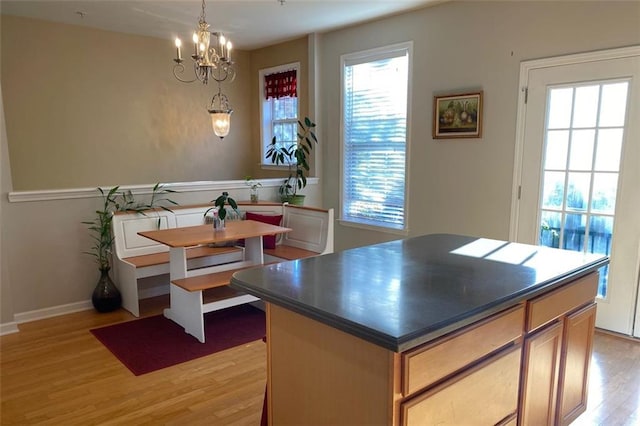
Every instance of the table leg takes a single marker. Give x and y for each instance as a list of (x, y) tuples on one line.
[(177, 262), (253, 250)]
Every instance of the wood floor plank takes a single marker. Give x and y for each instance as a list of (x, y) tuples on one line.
[(56, 372)]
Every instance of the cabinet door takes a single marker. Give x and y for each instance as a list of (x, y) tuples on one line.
[(577, 346), (541, 363)]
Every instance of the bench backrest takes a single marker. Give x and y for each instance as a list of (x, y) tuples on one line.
[(126, 225), (312, 228)]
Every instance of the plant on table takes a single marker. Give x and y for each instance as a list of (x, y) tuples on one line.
[(253, 185), (219, 205), (295, 156), (106, 296)]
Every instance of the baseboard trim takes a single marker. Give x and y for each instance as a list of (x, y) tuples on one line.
[(618, 335), (53, 311), (9, 328)]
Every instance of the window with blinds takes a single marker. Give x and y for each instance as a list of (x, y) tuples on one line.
[(374, 143)]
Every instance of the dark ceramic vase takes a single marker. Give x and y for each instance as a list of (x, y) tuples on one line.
[(106, 296)]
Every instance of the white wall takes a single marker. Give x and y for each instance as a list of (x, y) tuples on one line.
[(464, 186)]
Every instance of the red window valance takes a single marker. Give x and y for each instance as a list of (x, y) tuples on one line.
[(281, 84)]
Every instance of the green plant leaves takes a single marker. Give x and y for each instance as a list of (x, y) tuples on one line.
[(112, 201), (294, 156)]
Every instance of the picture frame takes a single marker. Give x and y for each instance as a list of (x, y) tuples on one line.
[(457, 116)]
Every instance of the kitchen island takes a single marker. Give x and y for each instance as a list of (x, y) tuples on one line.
[(437, 329)]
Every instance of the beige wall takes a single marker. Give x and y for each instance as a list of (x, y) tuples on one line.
[(272, 56), (87, 107), (6, 300), (159, 130), (464, 186)]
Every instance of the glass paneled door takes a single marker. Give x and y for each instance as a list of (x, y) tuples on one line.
[(578, 178), (583, 134)]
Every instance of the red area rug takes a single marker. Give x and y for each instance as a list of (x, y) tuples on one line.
[(152, 343)]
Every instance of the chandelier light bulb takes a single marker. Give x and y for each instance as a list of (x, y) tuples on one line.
[(178, 44), (221, 122)]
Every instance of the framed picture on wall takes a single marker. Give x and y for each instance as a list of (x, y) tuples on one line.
[(457, 116)]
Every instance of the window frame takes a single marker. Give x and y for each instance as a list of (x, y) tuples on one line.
[(365, 56), (266, 123)]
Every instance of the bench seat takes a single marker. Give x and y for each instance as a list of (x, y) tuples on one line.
[(289, 252), (192, 253), (207, 281)]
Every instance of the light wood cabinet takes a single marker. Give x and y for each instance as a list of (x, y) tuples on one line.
[(577, 346), (541, 363), (557, 353), (525, 365), (320, 375)]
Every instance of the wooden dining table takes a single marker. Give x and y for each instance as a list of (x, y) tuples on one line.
[(187, 307)]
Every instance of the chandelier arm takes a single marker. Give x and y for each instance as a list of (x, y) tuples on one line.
[(223, 72), (179, 69), (232, 72)]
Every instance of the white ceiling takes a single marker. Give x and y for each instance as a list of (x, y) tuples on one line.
[(248, 23)]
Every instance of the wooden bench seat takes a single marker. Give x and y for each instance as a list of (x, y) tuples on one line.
[(207, 281), (192, 253), (212, 280), (289, 252)]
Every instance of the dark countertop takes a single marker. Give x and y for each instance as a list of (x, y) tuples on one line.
[(407, 292)]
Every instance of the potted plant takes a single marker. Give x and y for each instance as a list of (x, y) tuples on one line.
[(219, 207), (106, 297), (295, 157), (253, 191)]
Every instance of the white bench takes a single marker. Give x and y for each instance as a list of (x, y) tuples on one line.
[(311, 235), (137, 257)]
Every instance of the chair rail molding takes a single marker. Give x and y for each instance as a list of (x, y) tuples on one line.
[(67, 194)]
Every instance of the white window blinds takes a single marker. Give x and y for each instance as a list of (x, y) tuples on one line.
[(375, 137)]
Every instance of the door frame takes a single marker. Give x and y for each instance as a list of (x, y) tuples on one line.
[(525, 68)]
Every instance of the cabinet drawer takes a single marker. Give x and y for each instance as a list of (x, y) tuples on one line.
[(485, 394), (429, 363), (544, 309)]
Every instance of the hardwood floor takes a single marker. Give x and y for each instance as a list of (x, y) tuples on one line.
[(54, 372), (614, 383)]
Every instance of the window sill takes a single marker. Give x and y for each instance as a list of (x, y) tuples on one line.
[(265, 166)]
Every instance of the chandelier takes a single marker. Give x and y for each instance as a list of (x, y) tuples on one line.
[(211, 60)]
